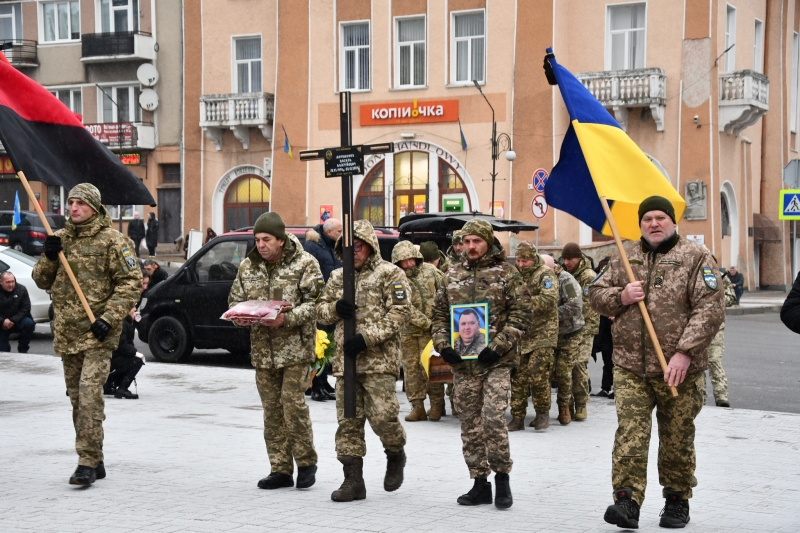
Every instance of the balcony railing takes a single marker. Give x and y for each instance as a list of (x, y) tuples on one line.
[(124, 135), (20, 52), (623, 89), (237, 112), (743, 98), (98, 47)]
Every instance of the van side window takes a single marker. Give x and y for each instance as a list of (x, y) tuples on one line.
[(221, 262)]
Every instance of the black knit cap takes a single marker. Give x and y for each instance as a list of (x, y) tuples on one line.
[(571, 251), (270, 223), (656, 203)]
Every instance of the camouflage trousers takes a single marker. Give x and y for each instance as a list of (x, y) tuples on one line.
[(376, 401), (580, 372), (436, 393), (481, 402), (719, 381), (287, 424), (635, 399), (85, 372), (567, 355), (414, 376), (532, 378)]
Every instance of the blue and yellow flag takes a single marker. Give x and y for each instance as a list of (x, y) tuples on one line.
[(286, 146), (17, 220), (599, 160), (463, 139)]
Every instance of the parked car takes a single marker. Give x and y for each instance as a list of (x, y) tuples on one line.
[(439, 227), (29, 235), (21, 265), (182, 312)]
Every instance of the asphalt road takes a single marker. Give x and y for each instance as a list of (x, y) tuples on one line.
[(762, 362)]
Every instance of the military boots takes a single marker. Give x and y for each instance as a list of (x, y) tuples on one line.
[(675, 514), (563, 415), (516, 424), (480, 493), (123, 392), (353, 487), (395, 463), (100, 470), (417, 414), (624, 512), (306, 476), (436, 411), (84, 475), (580, 412), (276, 480), (542, 421), (502, 494)]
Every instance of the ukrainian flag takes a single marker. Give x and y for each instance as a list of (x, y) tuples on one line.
[(287, 147), (17, 220), (599, 160)]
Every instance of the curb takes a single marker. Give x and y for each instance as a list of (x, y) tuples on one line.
[(761, 310)]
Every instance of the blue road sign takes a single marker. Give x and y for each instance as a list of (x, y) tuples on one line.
[(790, 205), (539, 179)]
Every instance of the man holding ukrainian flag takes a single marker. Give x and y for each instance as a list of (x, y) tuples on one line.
[(606, 181)]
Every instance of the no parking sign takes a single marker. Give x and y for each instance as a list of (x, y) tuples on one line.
[(539, 179)]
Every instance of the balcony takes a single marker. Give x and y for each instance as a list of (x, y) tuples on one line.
[(237, 112), (743, 99), (119, 136), (622, 90), (119, 46), (21, 53)]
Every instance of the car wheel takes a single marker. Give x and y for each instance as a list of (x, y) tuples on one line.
[(169, 340), (18, 247)]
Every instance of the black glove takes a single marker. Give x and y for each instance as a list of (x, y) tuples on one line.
[(354, 346), (548, 70), (451, 356), (100, 329), (52, 245), (488, 356), (345, 309)]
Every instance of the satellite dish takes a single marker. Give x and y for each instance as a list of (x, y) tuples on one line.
[(148, 100), (147, 74)]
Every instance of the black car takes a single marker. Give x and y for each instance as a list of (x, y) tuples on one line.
[(182, 312), (29, 235), (439, 227)]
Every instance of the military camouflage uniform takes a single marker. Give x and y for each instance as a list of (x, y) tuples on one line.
[(444, 263), (719, 381), (282, 356), (570, 326), (580, 372), (481, 392), (383, 311), (684, 299), (536, 361), (106, 269), (424, 280)]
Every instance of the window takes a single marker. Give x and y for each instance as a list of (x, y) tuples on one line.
[(369, 204), (730, 38), (120, 104), (171, 173), (354, 61), (221, 262), (247, 65), (70, 98), (795, 58), (61, 21), (119, 16), (247, 198), (626, 37), (758, 47), (468, 44), (409, 54), (10, 22)]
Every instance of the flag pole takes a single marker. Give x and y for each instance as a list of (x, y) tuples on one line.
[(61, 256), (642, 307)]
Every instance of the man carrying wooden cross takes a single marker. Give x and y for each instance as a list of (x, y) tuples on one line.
[(679, 283)]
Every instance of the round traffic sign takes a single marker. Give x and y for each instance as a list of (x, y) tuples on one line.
[(539, 179), (539, 206)]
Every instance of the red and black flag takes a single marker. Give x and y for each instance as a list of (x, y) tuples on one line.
[(47, 142)]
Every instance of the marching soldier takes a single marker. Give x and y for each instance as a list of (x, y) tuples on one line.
[(105, 266), (454, 252), (282, 352), (719, 381), (381, 311), (424, 280), (580, 267), (482, 384), (433, 255), (678, 281), (536, 361)]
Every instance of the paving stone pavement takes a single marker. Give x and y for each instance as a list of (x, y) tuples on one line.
[(187, 455)]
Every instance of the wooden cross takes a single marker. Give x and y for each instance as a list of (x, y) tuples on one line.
[(345, 161)]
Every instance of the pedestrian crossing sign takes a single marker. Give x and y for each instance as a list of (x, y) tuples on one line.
[(790, 205)]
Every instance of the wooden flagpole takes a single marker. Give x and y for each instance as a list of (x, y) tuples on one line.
[(629, 271), (61, 256)]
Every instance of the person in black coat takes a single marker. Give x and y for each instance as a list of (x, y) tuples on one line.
[(136, 231), (790, 312), (603, 343), (151, 235), (15, 313), (157, 274), (322, 250), (125, 363)]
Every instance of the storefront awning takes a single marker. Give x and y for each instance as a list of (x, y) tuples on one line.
[(765, 229)]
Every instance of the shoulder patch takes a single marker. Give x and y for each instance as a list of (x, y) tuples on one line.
[(547, 281), (571, 292), (399, 292), (129, 259), (710, 278)]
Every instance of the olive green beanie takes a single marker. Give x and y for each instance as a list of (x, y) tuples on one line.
[(429, 251), (89, 194), (656, 203), (479, 227), (457, 238), (270, 223), (526, 250)]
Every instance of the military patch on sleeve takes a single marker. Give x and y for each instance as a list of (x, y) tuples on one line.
[(399, 292), (586, 291), (710, 278), (571, 292), (320, 283), (129, 259), (658, 281), (547, 281)]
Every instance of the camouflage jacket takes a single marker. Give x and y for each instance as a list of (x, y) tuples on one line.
[(683, 298), (489, 279), (584, 275), (383, 309), (295, 278), (452, 256), (444, 263), (543, 284), (730, 295), (106, 269), (570, 303), (424, 280)]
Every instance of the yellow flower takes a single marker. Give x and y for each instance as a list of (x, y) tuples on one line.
[(321, 344)]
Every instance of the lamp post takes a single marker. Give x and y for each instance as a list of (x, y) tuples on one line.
[(500, 143)]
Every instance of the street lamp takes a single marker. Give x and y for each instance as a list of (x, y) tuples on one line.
[(500, 143)]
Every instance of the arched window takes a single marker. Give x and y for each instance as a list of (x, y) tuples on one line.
[(410, 183), (725, 215), (246, 199), (369, 205)]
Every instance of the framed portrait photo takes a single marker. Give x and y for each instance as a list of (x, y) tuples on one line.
[(469, 333)]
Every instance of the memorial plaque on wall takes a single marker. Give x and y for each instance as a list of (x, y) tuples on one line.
[(696, 200)]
